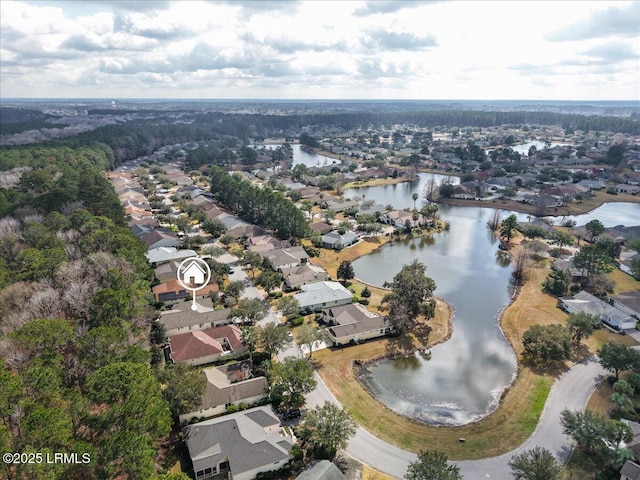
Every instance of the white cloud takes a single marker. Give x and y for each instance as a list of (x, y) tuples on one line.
[(319, 49)]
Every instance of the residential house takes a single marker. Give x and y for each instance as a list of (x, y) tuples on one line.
[(205, 346), (353, 323), (634, 444), (160, 237), (338, 241), (626, 264), (181, 319), (239, 446), (322, 294), (399, 219), (161, 255), (140, 230), (285, 257), (227, 385), (567, 267), (295, 277), (542, 200), (264, 243), (626, 188), (628, 302), (460, 191), (630, 471), (321, 227), (608, 314), (166, 271), (322, 470), (172, 291)]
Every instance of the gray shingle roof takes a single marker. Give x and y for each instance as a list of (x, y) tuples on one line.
[(247, 440)]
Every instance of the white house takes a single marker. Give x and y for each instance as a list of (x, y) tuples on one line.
[(608, 314), (239, 446), (322, 295)]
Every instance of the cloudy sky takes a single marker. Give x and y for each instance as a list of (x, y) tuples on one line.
[(538, 50)]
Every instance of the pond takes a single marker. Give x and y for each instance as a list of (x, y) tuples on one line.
[(302, 157), (466, 375)]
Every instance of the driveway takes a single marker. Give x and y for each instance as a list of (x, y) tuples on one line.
[(572, 390)]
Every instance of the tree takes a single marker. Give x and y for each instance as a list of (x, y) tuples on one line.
[(288, 305), (345, 270), (269, 280), (546, 343), (250, 336), (595, 228), (508, 227), (411, 294), (557, 283), (446, 190), (308, 335), (594, 433), (252, 259), (249, 310), (290, 381), (328, 215), (234, 289), (273, 338), (182, 387), (214, 227), (535, 464), (592, 260), (581, 325), (328, 428), (432, 465), (618, 358)]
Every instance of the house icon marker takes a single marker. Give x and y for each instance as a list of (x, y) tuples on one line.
[(193, 274)]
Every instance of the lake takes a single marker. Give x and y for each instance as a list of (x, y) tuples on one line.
[(466, 376), (302, 157)]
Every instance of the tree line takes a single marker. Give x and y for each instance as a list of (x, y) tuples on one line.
[(260, 206)]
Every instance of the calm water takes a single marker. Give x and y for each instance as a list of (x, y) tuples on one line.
[(399, 195), (306, 158), (465, 377)]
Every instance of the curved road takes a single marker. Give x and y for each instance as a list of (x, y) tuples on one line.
[(572, 390)]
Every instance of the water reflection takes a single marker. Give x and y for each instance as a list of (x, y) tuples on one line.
[(502, 258)]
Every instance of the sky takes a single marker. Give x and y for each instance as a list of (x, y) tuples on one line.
[(540, 50)]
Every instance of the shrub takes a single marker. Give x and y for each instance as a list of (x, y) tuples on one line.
[(363, 301), (297, 321), (365, 292), (232, 409)]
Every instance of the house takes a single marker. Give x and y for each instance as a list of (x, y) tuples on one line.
[(628, 302), (320, 227), (634, 444), (205, 346), (353, 323), (322, 294), (264, 243), (567, 267), (228, 385), (338, 241), (626, 264), (172, 291), (306, 273), (161, 255), (399, 219), (160, 238), (322, 470), (587, 303), (285, 257), (182, 319), (460, 191), (626, 188), (630, 471), (239, 446), (166, 271)]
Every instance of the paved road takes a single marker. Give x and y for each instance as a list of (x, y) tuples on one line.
[(571, 391)]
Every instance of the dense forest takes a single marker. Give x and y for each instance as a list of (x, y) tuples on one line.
[(76, 370), (261, 206)]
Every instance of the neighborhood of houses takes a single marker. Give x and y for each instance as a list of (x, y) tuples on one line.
[(248, 442)]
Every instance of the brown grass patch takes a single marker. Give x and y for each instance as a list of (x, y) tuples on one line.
[(599, 401)]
